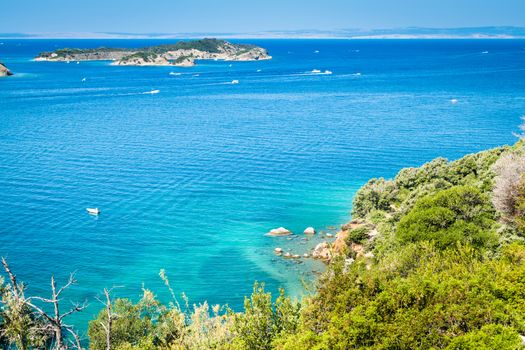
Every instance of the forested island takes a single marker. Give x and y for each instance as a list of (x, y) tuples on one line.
[(434, 258), (182, 54)]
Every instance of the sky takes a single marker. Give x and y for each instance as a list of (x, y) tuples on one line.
[(249, 16)]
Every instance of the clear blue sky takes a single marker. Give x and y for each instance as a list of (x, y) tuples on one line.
[(241, 16)]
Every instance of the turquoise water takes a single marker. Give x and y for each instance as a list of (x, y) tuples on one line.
[(190, 179)]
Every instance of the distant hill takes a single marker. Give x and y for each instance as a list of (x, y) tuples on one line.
[(350, 33)]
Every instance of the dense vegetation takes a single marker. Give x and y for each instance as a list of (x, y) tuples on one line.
[(444, 269)]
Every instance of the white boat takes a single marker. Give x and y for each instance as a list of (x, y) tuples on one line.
[(259, 70), (454, 101), (93, 211), (235, 81), (328, 72), (152, 92), (84, 80), (173, 73), (316, 71), (357, 74), (316, 51), (196, 75)]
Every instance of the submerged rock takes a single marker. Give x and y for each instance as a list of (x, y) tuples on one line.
[(281, 231)]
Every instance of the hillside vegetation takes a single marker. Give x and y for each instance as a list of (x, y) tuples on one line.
[(433, 259)]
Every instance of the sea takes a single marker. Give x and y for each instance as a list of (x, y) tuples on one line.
[(190, 179)]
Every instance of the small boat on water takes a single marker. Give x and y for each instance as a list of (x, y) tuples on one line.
[(316, 71), (328, 72), (235, 81), (152, 92), (174, 73), (93, 211)]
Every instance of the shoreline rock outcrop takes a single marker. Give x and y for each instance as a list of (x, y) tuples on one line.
[(4, 71)]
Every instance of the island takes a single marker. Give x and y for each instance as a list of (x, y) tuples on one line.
[(181, 54), (4, 71)]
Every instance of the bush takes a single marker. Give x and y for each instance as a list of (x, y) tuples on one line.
[(419, 297), (377, 194), (488, 338), (459, 214), (261, 321), (132, 322), (358, 235)]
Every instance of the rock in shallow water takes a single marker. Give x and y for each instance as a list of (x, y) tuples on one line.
[(309, 231), (281, 231)]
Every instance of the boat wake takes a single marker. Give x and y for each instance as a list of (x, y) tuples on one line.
[(152, 92)]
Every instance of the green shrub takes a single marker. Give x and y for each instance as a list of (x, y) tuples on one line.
[(261, 321), (377, 194), (420, 297), (358, 235), (489, 337), (459, 214)]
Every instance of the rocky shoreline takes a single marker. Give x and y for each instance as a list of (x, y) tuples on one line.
[(182, 54), (349, 242), (4, 71)]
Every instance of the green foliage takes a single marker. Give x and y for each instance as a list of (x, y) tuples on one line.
[(488, 338), (458, 214), (19, 325), (358, 235), (131, 324), (377, 194), (262, 321), (398, 196), (144, 55), (417, 298)]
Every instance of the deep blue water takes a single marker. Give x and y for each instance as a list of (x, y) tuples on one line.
[(190, 179)]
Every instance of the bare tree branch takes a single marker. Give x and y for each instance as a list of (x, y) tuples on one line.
[(55, 321)]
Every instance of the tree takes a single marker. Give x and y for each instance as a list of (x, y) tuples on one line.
[(55, 321), (20, 326)]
